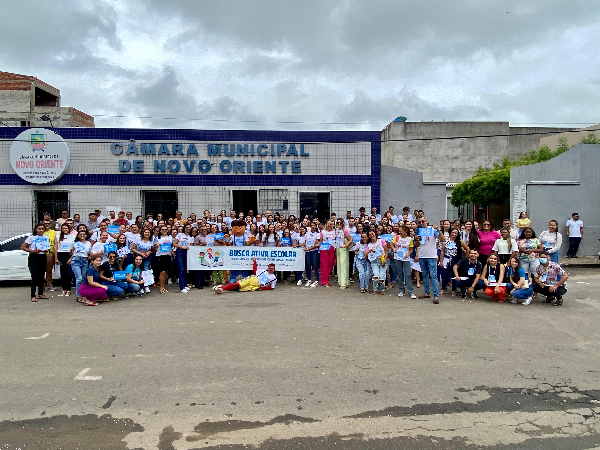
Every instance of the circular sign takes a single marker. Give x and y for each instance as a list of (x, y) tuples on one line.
[(39, 156)]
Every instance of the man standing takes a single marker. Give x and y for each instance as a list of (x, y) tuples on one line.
[(93, 223), (514, 234), (348, 217), (428, 257), (121, 220), (129, 217), (575, 234), (63, 218)]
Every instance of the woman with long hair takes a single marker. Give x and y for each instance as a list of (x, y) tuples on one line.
[(342, 243), (518, 282), (377, 254), (492, 276), (62, 250), (164, 250), (505, 247), (327, 255), (487, 238), (37, 245), (529, 248), (470, 236), (551, 240), (362, 263)]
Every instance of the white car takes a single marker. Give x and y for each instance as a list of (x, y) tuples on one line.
[(13, 260)]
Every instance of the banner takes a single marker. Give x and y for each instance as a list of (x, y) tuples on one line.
[(240, 258)]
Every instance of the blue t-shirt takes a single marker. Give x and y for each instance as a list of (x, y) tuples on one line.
[(94, 273), (520, 273), (135, 275)]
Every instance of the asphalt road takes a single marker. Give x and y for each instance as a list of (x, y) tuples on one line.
[(300, 368)]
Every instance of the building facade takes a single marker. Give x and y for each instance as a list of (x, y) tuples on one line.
[(24, 100), (142, 171), (555, 189)]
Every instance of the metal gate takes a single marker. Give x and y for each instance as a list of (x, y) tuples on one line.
[(51, 202), (274, 200)]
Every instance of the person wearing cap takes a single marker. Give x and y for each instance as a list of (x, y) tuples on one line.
[(121, 220), (262, 280)]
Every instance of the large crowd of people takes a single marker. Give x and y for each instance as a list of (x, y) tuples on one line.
[(106, 257)]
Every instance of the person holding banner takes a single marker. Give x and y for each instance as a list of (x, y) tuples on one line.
[(102, 247), (80, 251), (311, 255), (135, 282), (164, 250), (62, 251), (262, 280), (327, 252), (401, 245), (492, 276), (428, 257), (181, 243), (362, 263), (109, 272), (377, 253), (342, 243), (37, 245)]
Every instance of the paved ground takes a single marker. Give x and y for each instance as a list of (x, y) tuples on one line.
[(297, 368)]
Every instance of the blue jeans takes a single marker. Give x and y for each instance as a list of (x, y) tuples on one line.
[(115, 288), (133, 287), (447, 274), (555, 256), (429, 270), (520, 294), (311, 259), (393, 271), (79, 264), (378, 275), (146, 264), (403, 270), (363, 272), (181, 257), (463, 285)]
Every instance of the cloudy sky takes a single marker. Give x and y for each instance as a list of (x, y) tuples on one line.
[(343, 64)]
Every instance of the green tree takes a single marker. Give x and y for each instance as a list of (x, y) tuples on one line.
[(491, 185), (591, 138)]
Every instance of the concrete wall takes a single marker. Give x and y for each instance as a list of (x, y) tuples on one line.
[(416, 146), (576, 188), (402, 187), (572, 137)]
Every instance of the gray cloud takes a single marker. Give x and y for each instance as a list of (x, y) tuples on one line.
[(263, 65)]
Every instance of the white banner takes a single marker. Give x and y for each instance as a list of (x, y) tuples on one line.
[(240, 258)]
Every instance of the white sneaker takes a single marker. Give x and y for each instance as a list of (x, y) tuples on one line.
[(413, 296), (400, 294), (299, 283), (315, 284), (308, 283), (147, 290), (184, 291), (219, 289), (169, 282), (528, 301)]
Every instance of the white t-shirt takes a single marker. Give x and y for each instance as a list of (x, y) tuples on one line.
[(551, 241), (82, 249), (270, 241), (311, 239), (131, 238), (505, 247), (428, 247), (402, 248), (96, 236), (183, 239), (166, 240), (265, 278), (36, 242), (327, 237), (377, 250), (575, 227), (143, 246), (99, 248), (65, 245)]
